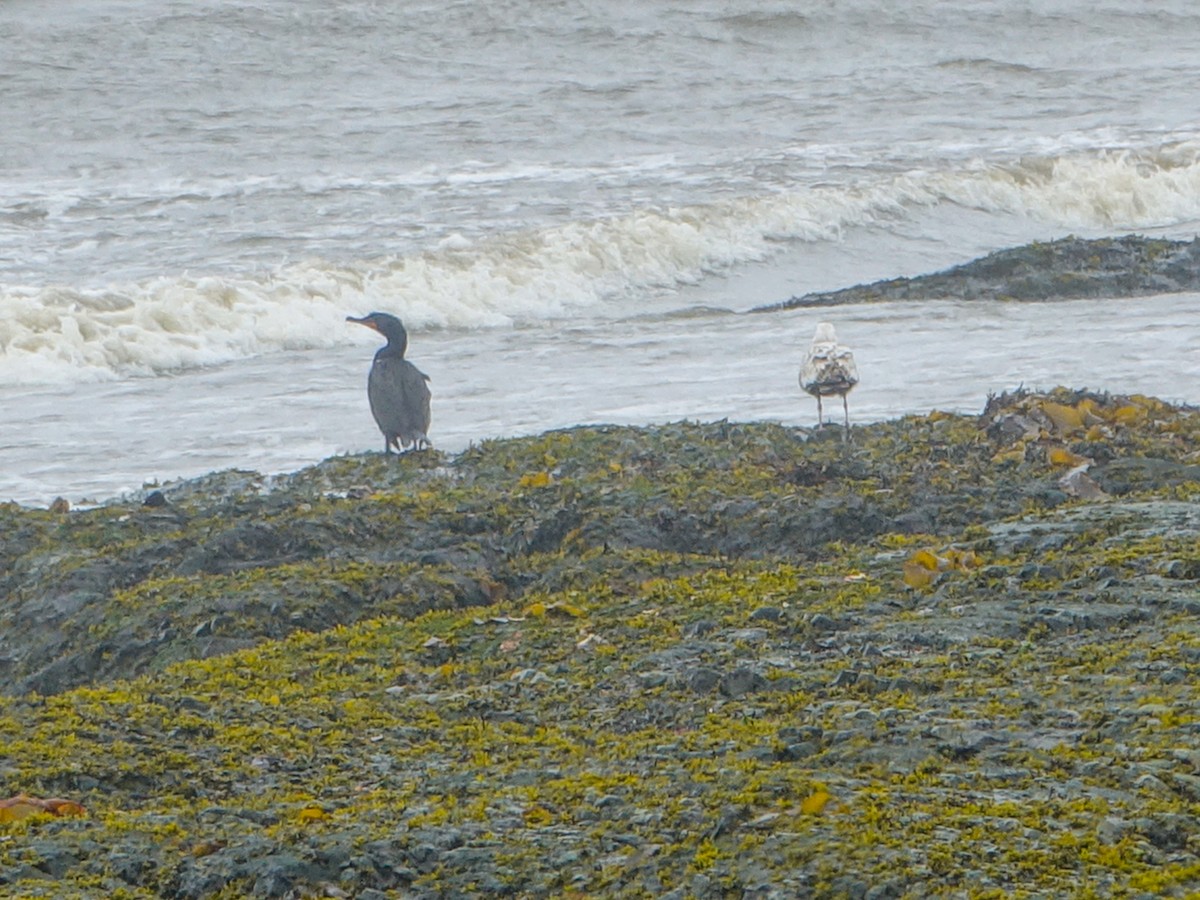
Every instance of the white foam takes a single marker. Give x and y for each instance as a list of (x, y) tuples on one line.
[(60, 333), (64, 334), (1112, 190)]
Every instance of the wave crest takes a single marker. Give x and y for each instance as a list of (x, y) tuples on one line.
[(60, 333)]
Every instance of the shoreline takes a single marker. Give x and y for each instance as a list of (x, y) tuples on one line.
[(1068, 268), (656, 370)]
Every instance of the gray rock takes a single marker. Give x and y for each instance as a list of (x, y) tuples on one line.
[(471, 857), (1188, 785), (699, 628), (960, 742), (654, 679), (753, 636), (1186, 569), (822, 623), (893, 890), (793, 733), (844, 678), (1113, 828), (1167, 831), (767, 614), (702, 681), (798, 751), (52, 858), (740, 682), (1126, 266), (1150, 782)]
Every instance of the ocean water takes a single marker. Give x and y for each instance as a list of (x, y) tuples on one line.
[(571, 205)]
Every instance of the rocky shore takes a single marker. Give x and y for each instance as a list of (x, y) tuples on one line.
[(952, 656), (1067, 269)]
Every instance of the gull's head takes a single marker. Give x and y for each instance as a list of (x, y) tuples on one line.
[(825, 334)]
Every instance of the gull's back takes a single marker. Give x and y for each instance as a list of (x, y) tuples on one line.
[(828, 368)]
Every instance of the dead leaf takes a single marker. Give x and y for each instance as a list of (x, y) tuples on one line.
[(22, 806)]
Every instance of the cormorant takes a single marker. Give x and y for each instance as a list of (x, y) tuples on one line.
[(396, 388), (828, 369)]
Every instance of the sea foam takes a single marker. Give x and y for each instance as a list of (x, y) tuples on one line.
[(58, 333)]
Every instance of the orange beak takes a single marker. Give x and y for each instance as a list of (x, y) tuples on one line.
[(365, 320)]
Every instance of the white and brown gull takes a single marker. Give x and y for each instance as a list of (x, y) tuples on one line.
[(828, 369)]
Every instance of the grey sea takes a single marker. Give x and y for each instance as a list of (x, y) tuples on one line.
[(571, 205)]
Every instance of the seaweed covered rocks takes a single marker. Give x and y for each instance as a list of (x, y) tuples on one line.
[(695, 660), (1065, 269)]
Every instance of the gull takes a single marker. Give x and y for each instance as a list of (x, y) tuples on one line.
[(828, 370)]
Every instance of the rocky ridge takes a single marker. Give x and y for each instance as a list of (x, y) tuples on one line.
[(1066, 269)]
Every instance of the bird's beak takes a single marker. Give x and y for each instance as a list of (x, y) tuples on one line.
[(365, 320)]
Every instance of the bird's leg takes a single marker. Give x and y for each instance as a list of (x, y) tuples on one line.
[(846, 410), (820, 420)]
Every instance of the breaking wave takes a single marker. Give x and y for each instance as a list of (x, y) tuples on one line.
[(61, 333)]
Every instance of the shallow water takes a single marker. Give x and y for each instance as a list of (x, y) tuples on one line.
[(286, 410)]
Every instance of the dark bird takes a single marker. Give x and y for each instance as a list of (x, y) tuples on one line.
[(828, 369), (396, 388)]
